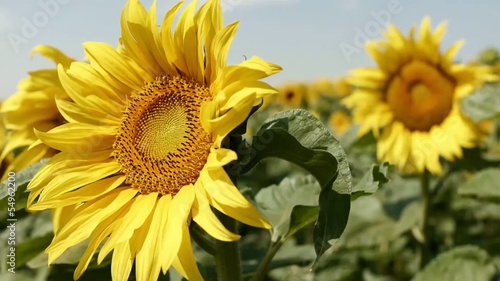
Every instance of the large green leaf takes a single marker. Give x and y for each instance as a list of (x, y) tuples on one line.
[(464, 263), (298, 137), (484, 184), (20, 181), (277, 202), (484, 104)]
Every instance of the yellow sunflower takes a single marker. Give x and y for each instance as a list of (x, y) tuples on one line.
[(340, 122), (411, 101), (142, 152), (33, 107), (318, 88), (333, 88), (292, 94)]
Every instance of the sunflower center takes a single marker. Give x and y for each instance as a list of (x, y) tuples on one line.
[(420, 96), (289, 96), (161, 145)]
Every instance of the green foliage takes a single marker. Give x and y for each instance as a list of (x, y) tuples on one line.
[(462, 263), (484, 104), (20, 182), (298, 137), (278, 202), (484, 184)]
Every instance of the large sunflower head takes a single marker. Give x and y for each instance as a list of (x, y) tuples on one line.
[(33, 107), (143, 149), (411, 100)]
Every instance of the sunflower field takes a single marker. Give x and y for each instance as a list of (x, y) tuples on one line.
[(158, 160)]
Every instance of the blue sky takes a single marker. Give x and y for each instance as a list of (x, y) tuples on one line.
[(308, 38)]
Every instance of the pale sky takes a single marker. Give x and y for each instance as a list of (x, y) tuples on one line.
[(304, 37)]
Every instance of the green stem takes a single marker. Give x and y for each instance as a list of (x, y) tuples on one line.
[(426, 198), (227, 254), (263, 267)]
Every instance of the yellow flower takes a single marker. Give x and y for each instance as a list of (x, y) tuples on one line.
[(141, 154), (33, 106), (342, 87), (333, 88), (292, 94), (340, 122), (320, 87), (411, 101)]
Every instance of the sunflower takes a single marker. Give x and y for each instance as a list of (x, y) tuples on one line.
[(292, 94), (326, 87), (339, 122), (411, 100), (142, 153), (33, 107), (318, 88)]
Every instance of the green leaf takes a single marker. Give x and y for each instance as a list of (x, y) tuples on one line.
[(19, 182), (484, 104), (277, 203), (369, 225), (29, 249), (464, 263), (474, 160), (371, 181), (298, 137), (301, 217), (484, 184)]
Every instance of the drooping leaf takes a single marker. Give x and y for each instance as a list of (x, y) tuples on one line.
[(297, 136)]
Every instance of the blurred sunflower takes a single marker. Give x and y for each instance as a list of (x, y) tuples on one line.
[(33, 107), (292, 94), (342, 88), (339, 122), (3, 139), (143, 151), (413, 97)]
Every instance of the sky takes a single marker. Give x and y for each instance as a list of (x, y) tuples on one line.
[(310, 39)]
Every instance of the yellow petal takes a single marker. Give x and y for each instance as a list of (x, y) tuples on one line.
[(149, 257), (121, 264), (220, 157), (139, 212), (180, 208), (225, 197), (86, 218), (185, 262), (74, 138), (204, 217), (53, 54)]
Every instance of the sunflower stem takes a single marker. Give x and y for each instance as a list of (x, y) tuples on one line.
[(426, 198), (263, 266), (227, 254)]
